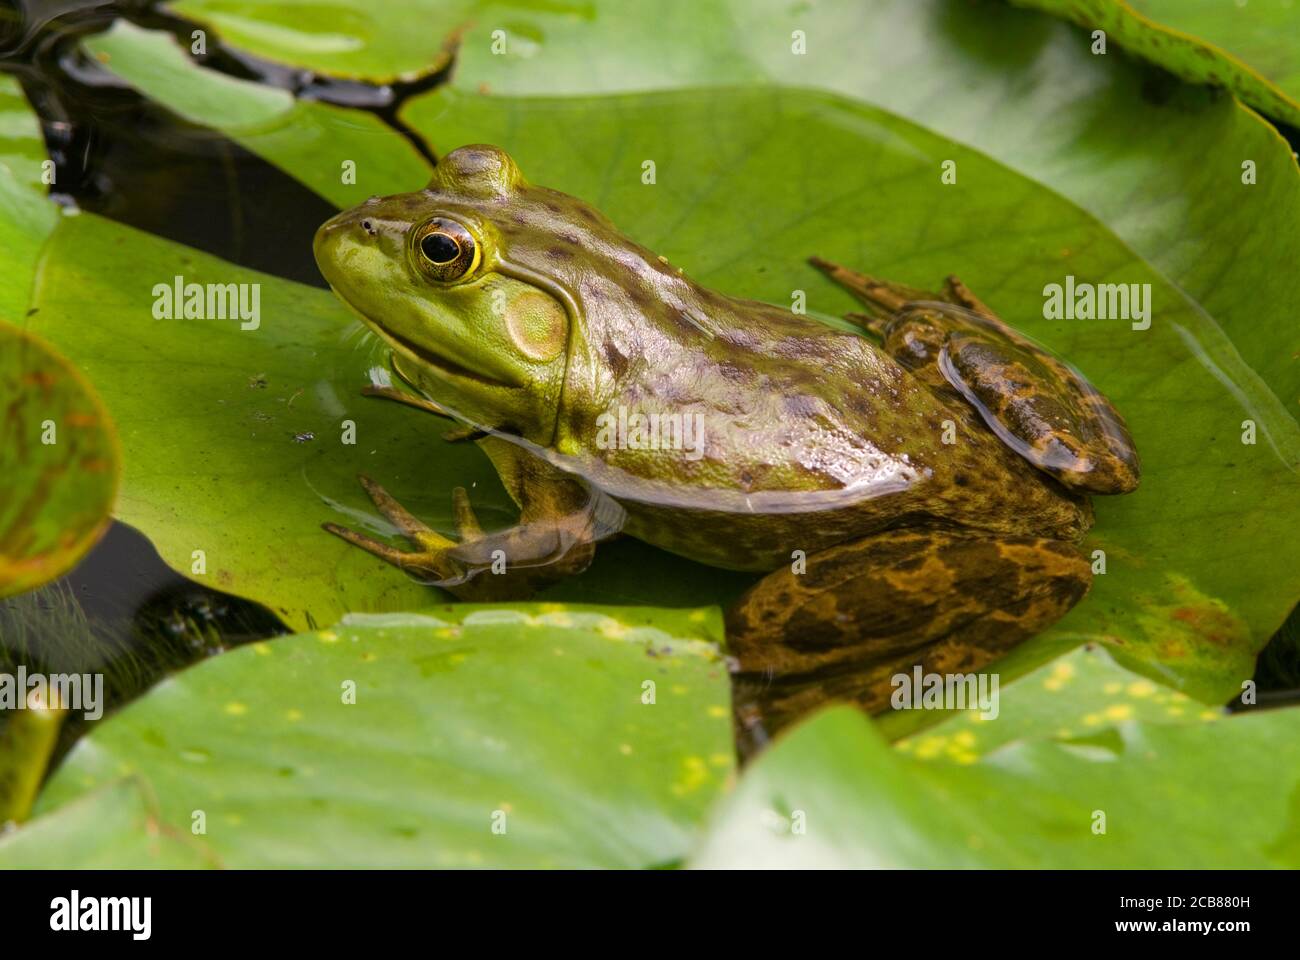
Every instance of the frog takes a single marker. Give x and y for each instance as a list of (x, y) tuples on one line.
[(909, 490)]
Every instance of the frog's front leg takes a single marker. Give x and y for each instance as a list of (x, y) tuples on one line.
[(555, 537), (865, 611), (454, 435)]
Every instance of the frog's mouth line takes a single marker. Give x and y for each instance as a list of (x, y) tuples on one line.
[(442, 364), (417, 352)]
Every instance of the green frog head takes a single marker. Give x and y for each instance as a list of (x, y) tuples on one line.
[(474, 281)]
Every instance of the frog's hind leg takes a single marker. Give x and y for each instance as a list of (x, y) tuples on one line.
[(1037, 404), (867, 611), (1043, 409)]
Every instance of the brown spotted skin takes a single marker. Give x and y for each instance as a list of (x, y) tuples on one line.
[(946, 601), (936, 480)]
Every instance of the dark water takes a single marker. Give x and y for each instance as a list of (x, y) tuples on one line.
[(123, 611)]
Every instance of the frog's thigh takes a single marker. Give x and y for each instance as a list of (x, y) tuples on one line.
[(1044, 410), (865, 611)]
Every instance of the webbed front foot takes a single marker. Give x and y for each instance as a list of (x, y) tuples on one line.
[(1037, 404), (433, 558), (508, 564)]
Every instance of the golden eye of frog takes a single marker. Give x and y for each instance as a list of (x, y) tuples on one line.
[(913, 495)]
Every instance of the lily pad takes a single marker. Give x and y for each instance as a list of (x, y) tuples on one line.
[(1253, 49), (26, 214), (113, 828), (59, 464), (1080, 695), (534, 735), (740, 199), (834, 794), (379, 42)]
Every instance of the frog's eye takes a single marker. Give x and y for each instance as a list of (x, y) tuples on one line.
[(445, 250)]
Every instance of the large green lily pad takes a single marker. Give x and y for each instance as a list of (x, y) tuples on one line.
[(1253, 49), (834, 794), (737, 203), (473, 736)]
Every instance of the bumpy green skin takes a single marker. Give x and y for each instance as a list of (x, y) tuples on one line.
[(813, 438)]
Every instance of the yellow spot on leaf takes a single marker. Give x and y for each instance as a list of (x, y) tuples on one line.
[(625, 749), (695, 773), (262, 649), (1119, 711), (292, 715), (1141, 688), (930, 747), (716, 711), (235, 708), (327, 636)]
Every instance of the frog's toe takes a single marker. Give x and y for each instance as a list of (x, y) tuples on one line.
[(381, 550), (881, 296), (467, 524), (954, 291), (431, 566), (413, 528)]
